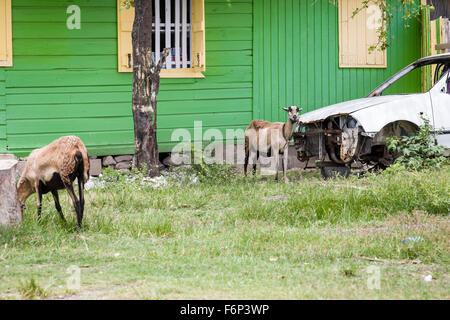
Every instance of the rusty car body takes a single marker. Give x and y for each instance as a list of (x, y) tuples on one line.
[(353, 133)]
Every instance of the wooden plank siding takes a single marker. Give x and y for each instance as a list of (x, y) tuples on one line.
[(2, 112), (296, 58), (66, 81), (261, 55)]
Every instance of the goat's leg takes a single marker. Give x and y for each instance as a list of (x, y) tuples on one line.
[(247, 153), (57, 205), (254, 163), (81, 194), (38, 198), (276, 153), (75, 201), (285, 163)]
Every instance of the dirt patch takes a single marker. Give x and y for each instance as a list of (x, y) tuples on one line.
[(276, 198), (417, 222)]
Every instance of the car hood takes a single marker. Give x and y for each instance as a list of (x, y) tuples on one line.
[(348, 107)]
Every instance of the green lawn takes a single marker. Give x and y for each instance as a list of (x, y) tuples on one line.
[(230, 237)]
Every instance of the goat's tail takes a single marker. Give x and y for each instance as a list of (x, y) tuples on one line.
[(74, 163), (82, 157), (82, 168)]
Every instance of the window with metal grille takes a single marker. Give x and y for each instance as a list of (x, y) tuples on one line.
[(172, 28), (178, 25)]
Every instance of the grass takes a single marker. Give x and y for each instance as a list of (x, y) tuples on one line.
[(230, 237)]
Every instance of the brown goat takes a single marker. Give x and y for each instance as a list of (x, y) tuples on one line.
[(271, 138), (55, 167)]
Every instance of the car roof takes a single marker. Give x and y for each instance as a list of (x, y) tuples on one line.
[(438, 58)]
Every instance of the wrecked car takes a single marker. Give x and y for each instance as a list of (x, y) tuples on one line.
[(352, 133)]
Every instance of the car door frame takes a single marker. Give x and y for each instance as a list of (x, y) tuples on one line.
[(440, 105)]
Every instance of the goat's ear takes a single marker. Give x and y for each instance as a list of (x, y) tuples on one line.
[(286, 109), (299, 109)]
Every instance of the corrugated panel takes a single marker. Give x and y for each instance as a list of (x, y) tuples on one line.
[(66, 81), (296, 58)]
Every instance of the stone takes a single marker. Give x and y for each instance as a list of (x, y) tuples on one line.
[(123, 165), (92, 157), (167, 161), (96, 167), (109, 161), (123, 158), (178, 159), (10, 209)]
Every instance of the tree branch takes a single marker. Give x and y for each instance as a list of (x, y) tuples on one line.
[(162, 61)]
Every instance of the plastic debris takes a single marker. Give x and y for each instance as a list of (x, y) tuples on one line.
[(412, 239), (428, 278)]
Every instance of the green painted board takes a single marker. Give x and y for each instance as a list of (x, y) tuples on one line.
[(66, 81), (2, 112), (296, 58), (261, 55)]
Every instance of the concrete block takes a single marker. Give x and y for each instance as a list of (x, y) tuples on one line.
[(10, 209), (20, 167), (7, 156)]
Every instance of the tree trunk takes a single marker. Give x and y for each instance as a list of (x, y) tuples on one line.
[(145, 89)]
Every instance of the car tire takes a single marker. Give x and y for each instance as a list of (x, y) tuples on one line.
[(333, 172)]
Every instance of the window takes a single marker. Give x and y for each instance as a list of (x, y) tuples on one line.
[(5, 34), (357, 34), (177, 24)]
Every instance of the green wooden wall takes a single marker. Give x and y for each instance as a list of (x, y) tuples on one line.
[(66, 81), (296, 58), (261, 55)]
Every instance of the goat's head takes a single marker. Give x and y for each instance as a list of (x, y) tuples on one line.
[(293, 113), (24, 190)]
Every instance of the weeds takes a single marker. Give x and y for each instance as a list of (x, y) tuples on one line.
[(30, 289), (349, 271), (418, 151)]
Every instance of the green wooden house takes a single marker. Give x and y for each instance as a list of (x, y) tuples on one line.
[(65, 66)]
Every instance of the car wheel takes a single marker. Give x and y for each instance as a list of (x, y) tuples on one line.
[(333, 172)]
